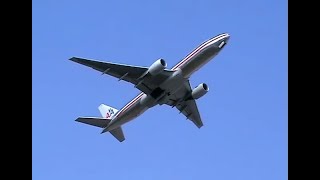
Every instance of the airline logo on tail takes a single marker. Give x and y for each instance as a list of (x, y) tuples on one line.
[(109, 113)]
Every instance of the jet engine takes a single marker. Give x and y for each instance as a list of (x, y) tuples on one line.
[(199, 91), (157, 67)]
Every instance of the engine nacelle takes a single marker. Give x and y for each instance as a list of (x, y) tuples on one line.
[(157, 67), (199, 91)]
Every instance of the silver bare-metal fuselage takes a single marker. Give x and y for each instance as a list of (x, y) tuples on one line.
[(183, 70)]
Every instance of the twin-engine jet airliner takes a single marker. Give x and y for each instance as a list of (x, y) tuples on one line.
[(158, 85)]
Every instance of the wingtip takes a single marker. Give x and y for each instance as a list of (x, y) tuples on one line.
[(73, 59)]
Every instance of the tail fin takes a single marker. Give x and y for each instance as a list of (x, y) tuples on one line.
[(107, 111)]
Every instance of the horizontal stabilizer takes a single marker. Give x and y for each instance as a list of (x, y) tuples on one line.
[(118, 133), (94, 121)]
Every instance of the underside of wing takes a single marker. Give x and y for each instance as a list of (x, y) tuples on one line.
[(127, 73), (190, 110), (187, 107)]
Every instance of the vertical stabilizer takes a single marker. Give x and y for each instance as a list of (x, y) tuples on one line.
[(107, 112)]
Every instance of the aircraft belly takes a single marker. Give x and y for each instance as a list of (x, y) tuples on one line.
[(173, 83)]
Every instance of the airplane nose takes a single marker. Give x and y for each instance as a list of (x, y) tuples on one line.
[(223, 41), (227, 37)]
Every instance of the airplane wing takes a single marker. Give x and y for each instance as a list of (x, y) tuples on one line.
[(127, 73), (187, 107)]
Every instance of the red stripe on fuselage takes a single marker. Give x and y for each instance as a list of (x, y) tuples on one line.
[(130, 104), (190, 55)]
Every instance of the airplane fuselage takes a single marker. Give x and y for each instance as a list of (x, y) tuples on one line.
[(183, 70)]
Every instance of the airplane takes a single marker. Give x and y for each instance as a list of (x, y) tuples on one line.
[(158, 86)]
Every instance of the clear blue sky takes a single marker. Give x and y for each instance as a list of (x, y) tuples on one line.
[(245, 117)]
